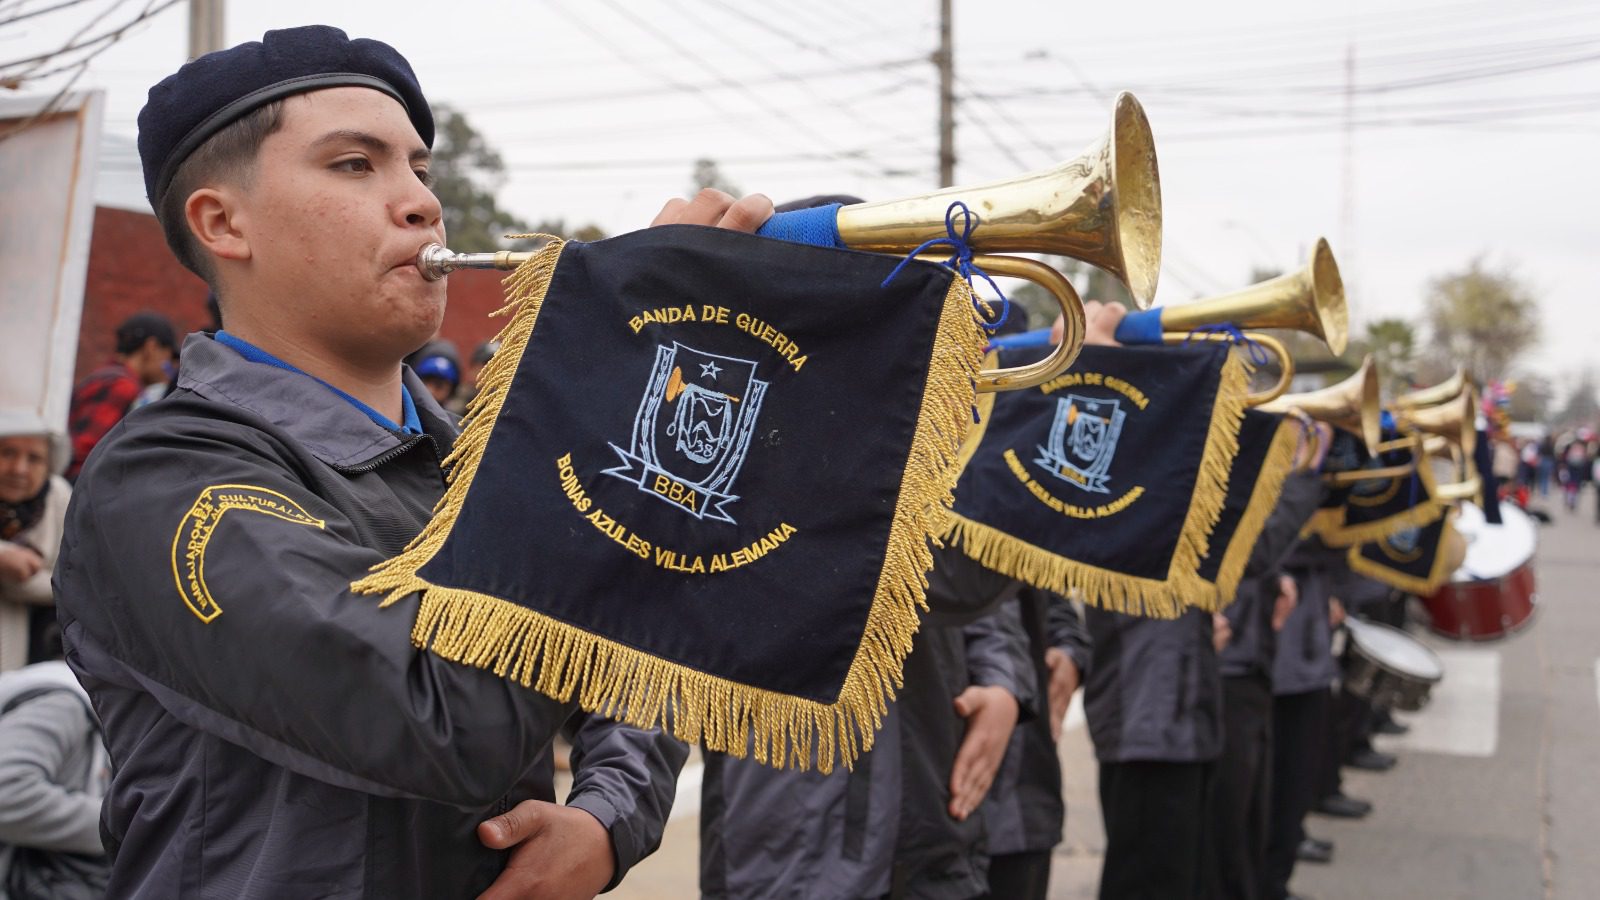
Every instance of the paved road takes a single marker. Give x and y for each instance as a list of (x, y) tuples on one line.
[(1495, 796)]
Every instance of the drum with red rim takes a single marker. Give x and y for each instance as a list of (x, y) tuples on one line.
[(1493, 593)]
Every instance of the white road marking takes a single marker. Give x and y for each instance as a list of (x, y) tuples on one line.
[(687, 801), (1462, 717), (1075, 717)]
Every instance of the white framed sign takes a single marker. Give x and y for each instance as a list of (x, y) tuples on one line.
[(49, 153)]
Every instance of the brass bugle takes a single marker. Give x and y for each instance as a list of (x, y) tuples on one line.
[(1310, 300), (1351, 405), (1469, 489), (1433, 395), (1455, 420), (1102, 207)]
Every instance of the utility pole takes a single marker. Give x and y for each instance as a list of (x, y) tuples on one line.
[(944, 58), (205, 27), (1347, 212)]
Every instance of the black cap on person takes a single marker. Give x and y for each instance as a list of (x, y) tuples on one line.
[(211, 92)]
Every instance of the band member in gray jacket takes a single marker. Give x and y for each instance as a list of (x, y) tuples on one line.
[(272, 733), (1024, 811), (1244, 775), (1302, 670)]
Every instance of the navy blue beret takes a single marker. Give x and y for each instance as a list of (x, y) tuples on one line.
[(208, 94)]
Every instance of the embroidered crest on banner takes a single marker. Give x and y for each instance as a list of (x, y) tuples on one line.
[(1082, 442), (1404, 545), (693, 430)]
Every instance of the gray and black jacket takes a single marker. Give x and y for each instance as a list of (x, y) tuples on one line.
[(296, 743), (1303, 661), (881, 829), (1154, 693), (1249, 653)]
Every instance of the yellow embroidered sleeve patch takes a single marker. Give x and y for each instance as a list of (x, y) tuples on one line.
[(194, 533)]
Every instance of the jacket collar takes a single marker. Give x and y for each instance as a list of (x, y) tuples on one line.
[(325, 424)]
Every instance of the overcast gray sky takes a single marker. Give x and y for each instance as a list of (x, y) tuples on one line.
[(1476, 124)]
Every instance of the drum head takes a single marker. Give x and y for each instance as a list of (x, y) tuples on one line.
[(1395, 650)]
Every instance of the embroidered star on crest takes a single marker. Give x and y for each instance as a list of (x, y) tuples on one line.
[(710, 370)]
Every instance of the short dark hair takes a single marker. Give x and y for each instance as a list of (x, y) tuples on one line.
[(141, 327), (229, 155)]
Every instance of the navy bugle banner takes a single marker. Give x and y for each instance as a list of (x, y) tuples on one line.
[(1267, 444), (1108, 479), (1375, 507), (1412, 559), (698, 486)]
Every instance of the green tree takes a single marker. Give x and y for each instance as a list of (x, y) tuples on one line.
[(1531, 400), (467, 174), (707, 175), (1483, 319), (1393, 342)]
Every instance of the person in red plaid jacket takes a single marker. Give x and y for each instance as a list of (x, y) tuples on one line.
[(146, 348)]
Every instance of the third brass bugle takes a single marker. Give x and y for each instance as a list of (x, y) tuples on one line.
[(1103, 208), (1351, 405)]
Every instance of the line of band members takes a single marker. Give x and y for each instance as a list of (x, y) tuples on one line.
[(1210, 754)]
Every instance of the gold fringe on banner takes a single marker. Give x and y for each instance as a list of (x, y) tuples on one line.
[(1157, 598), (1438, 573), (1263, 498), (621, 682)]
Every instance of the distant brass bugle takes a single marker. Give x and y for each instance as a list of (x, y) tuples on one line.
[(1455, 420), (1433, 395), (1102, 207), (1351, 405)]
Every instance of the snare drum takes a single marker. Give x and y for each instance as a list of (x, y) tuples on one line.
[(1387, 667)]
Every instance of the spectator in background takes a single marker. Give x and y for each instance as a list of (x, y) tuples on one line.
[(33, 508), (1547, 464), (439, 367), (146, 349), (53, 773), (1576, 459)]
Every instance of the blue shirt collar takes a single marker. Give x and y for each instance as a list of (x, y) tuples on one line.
[(410, 424)]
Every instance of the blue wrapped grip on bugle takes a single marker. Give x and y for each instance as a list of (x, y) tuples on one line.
[(817, 226), (1141, 327), (1039, 337)]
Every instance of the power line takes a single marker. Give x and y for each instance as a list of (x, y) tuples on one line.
[(668, 40)]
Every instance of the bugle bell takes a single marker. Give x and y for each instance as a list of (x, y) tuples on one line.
[(1310, 300), (1433, 395), (1454, 420), (1351, 405), (1103, 208)]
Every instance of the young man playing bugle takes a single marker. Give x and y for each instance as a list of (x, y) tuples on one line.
[(274, 735)]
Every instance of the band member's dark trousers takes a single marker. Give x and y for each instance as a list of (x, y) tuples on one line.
[(1158, 824), (1350, 722), (1019, 876), (1299, 742), (1243, 799)]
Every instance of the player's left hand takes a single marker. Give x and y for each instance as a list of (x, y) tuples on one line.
[(557, 853), (719, 209), (991, 714)]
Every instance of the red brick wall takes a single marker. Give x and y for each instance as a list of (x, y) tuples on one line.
[(131, 269)]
